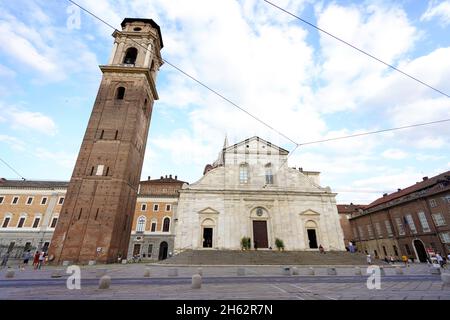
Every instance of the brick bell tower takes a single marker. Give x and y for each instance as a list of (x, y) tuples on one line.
[(95, 220)]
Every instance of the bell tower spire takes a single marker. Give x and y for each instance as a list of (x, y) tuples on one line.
[(95, 220)]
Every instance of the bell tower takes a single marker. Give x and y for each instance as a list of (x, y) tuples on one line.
[(95, 220)]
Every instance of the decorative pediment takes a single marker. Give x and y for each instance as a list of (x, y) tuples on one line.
[(309, 213), (208, 210)]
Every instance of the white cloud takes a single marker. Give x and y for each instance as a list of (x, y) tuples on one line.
[(14, 142), (394, 154), (61, 158), (439, 10)]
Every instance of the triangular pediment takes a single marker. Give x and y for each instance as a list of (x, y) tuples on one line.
[(309, 212), (208, 210)]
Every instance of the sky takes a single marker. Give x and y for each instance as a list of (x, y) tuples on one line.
[(304, 83)]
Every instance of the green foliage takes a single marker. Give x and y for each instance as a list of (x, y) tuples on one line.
[(245, 243), (279, 243)]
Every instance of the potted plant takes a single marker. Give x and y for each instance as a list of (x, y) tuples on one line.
[(280, 244), (245, 243)]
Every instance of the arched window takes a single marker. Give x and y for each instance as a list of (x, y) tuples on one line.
[(141, 224), (243, 173), (269, 175), (166, 225), (120, 93), (130, 56)]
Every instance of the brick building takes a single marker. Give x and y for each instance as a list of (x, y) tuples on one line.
[(413, 221), (29, 212), (346, 211)]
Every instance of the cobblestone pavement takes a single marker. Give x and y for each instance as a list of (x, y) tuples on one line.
[(222, 282)]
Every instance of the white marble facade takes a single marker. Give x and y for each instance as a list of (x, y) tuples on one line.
[(251, 186)]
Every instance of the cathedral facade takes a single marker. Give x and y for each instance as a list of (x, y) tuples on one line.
[(250, 192)]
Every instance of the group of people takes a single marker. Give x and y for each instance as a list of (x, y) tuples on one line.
[(38, 259)]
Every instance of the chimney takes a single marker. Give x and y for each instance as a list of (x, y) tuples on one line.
[(170, 176), (166, 176), (399, 189), (148, 177), (425, 178), (176, 177), (300, 169), (162, 177), (384, 194)]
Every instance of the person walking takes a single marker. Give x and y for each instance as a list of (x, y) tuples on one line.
[(5, 259), (405, 260), (321, 249), (392, 260), (36, 260), (41, 259), (440, 260), (369, 258), (26, 258)]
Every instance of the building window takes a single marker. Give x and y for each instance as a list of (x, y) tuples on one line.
[(45, 247), (447, 198), (130, 56), (6, 222), (445, 237), (36, 222), (21, 222), (143, 207), (11, 246), (395, 250), (44, 200), (153, 229), (120, 94), (433, 203), (378, 230), (168, 207), (166, 225), (410, 222), (54, 221), (61, 200), (408, 250), (29, 200), (1, 199), (438, 219), (155, 207), (361, 232), (269, 175), (100, 168), (150, 250), (243, 173), (370, 231), (401, 229), (388, 228), (15, 200), (141, 224), (424, 222)]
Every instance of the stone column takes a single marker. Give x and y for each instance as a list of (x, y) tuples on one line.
[(147, 56), (113, 54)]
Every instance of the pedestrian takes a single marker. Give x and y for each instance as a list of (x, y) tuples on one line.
[(5, 259), (321, 249), (405, 260), (369, 258), (255, 245), (440, 260), (26, 258), (392, 259), (41, 259), (36, 259)]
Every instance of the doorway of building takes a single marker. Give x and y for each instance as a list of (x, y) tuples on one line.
[(420, 250), (260, 234), (312, 238), (207, 237), (163, 247), (136, 249)]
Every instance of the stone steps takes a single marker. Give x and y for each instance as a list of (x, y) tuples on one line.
[(235, 257)]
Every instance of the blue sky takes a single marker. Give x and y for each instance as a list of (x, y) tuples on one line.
[(303, 83)]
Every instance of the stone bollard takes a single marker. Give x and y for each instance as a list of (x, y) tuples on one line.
[(311, 271), (57, 273), (10, 273), (104, 282), (147, 273), (173, 272), (124, 261), (295, 271), (196, 281), (287, 271), (358, 271), (445, 277), (241, 271), (331, 271), (435, 270), (101, 272), (398, 270)]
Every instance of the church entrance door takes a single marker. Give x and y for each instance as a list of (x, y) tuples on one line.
[(260, 234), (136, 249), (312, 239), (207, 237), (163, 247)]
